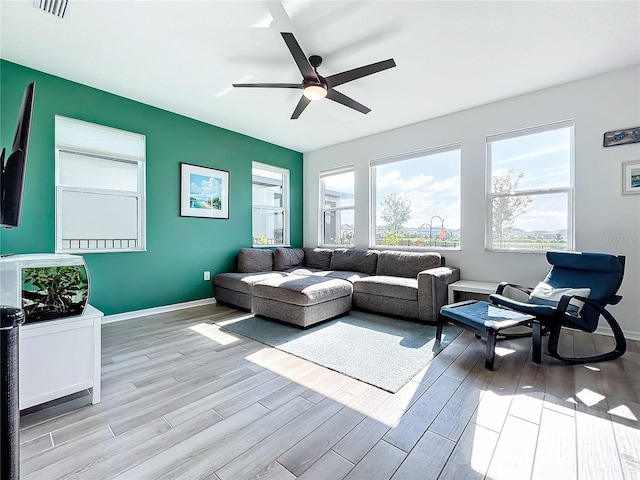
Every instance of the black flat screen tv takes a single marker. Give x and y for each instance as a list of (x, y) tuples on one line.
[(12, 173)]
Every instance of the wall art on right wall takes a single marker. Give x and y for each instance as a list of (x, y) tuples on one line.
[(621, 137), (631, 177)]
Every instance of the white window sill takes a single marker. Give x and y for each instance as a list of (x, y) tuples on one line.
[(271, 246), (415, 249)]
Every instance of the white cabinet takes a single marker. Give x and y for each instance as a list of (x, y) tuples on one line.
[(60, 357)]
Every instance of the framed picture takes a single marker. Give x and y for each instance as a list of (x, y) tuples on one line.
[(204, 192), (631, 177)]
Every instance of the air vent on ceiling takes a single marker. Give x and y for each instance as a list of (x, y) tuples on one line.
[(54, 7)]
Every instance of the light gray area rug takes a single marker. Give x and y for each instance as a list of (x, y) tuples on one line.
[(381, 351)]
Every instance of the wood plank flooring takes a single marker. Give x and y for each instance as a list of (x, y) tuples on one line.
[(182, 398)]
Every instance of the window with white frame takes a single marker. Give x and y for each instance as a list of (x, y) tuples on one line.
[(530, 189), (337, 193), (270, 199), (100, 188), (415, 199)]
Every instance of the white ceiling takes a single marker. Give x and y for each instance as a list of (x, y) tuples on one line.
[(183, 56)]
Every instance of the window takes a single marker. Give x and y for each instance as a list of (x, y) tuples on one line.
[(530, 185), (416, 199), (337, 193), (100, 188), (270, 197)]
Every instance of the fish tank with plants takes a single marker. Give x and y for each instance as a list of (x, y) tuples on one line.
[(45, 286)]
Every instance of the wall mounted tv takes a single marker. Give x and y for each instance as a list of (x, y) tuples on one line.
[(12, 173)]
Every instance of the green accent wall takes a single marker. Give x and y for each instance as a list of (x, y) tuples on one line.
[(179, 249)]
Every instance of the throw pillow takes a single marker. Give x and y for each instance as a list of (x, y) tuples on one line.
[(349, 260), (545, 294), (251, 260), (285, 258), (317, 258)]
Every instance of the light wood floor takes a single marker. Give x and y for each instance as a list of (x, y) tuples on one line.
[(182, 398)]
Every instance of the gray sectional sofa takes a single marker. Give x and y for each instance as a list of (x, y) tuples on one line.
[(403, 284)]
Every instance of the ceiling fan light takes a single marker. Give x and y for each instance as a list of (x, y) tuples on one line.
[(314, 92)]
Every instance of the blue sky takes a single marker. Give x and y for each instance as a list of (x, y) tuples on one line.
[(205, 186), (431, 183), (543, 158)]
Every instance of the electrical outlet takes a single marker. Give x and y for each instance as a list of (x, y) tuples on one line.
[(207, 276)]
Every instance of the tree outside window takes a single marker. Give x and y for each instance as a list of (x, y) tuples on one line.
[(507, 209), (396, 211)]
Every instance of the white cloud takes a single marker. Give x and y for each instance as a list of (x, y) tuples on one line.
[(556, 148), (540, 219), (207, 188), (451, 184), (416, 182), (429, 197), (394, 179), (391, 179), (420, 200)]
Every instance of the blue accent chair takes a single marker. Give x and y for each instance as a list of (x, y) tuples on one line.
[(585, 284)]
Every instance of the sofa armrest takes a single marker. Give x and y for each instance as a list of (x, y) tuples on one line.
[(433, 290)]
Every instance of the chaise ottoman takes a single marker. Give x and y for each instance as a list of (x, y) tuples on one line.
[(302, 300)]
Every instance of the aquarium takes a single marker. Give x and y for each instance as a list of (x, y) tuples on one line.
[(45, 286)]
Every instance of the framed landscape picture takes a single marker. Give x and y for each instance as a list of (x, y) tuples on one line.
[(204, 192), (631, 177)]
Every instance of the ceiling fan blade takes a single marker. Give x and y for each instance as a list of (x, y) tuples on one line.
[(349, 75), (302, 104), (269, 85), (305, 67), (347, 101)]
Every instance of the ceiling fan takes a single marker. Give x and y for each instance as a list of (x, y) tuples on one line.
[(314, 86)]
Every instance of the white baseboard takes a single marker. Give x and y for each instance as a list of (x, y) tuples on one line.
[(118, 317), (605, 330)]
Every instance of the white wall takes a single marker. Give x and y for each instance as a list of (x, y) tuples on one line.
[(605, 220)]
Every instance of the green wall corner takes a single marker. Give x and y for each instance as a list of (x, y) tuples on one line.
[(179, 249)]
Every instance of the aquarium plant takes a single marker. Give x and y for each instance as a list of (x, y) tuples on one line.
[(54, 292)]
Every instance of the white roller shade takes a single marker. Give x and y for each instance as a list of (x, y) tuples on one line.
[(99, 216), (90, 171), (81, 136)]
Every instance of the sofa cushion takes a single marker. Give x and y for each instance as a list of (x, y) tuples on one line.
[(286, 258), (319, 258), (406, 264), (364, 261), (255, 260), (243, 282), (304, 271), (343, 274), (302, 291), (383, 286)]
